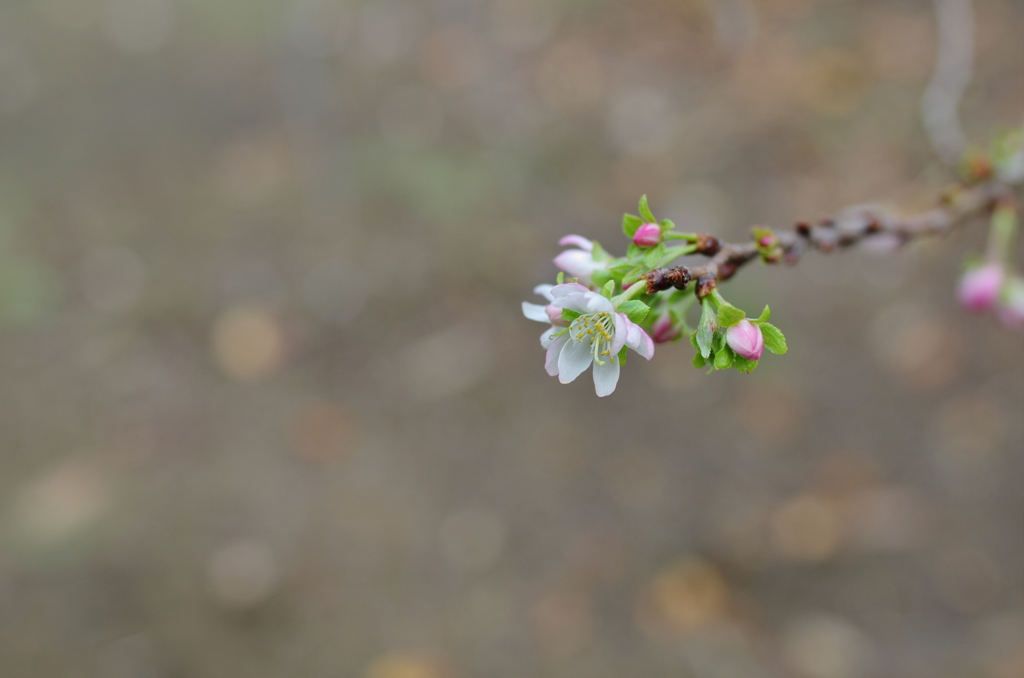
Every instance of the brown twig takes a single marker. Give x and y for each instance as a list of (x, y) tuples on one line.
[(848, 227)]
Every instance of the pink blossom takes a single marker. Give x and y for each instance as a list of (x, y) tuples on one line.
[(663, 330), (979, 287), (745, 339), (648, 235), (579, 263)]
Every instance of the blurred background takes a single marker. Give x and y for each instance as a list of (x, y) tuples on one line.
[(269, 407)]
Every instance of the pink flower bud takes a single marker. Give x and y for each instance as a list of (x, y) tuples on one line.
[(663, 330), (766, 241), (555, 315), (746, 339), (979, 287), (648, 235)]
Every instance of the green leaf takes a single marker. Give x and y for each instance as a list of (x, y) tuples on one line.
[(719, 342), (724, 359), (633, 276), (609, 288), (645, 211), (630, 223), (693, 340), (634, 251), (765, 314), (742, 364), (635, 310), (774, 340), (622, 357), (698, 361), (729, 315), (620, 270), (599, 253), (650, 259), (561, 278), (706, 329), (602, 277), (568, 316), (666, 225)]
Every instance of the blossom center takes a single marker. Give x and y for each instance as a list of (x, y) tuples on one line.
[(597, 329)]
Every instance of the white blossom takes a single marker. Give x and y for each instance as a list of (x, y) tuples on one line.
[(595, 337)]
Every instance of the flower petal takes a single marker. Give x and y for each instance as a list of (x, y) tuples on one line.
[(646, 350), (535, 312), (567, 289), (574, 359), (577, 263), (596, 303), (551, 360), (578, 241), (544, 291), (606, 377), (548, 337), (639, 341), (619, 338), (570, 296)]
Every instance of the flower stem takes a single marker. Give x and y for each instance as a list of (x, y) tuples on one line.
[(719, 300), (630, 292), (1003, 231)]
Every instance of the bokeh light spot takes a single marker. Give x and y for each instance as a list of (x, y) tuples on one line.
[(806, 527), (401, 666), (248, 343), (243, 574), (684, 597), (61, 502), (827, 646)]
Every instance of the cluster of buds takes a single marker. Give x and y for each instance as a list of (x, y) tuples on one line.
[(768, 245), (604, 304), (987, 285), (727, 339)]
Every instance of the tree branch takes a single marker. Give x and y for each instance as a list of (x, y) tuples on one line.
[(954, 61), (850, 226)]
